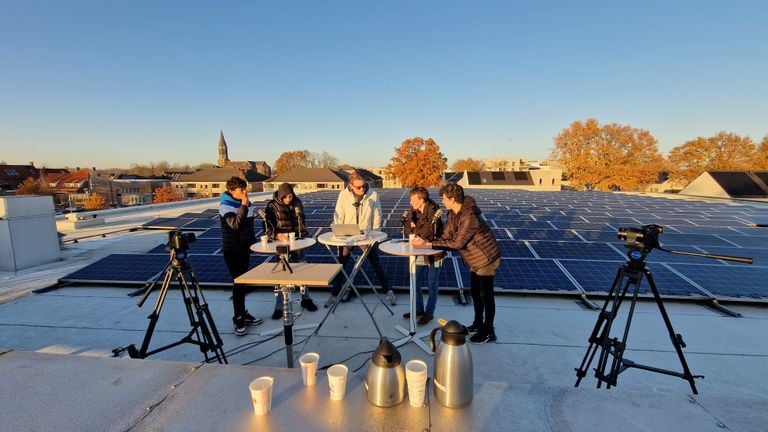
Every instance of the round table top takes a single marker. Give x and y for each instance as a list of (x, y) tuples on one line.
[(271, 247), (403, 248), (364, 239)]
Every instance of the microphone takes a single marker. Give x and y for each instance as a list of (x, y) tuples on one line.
[(437, 215), (263, 215), (299, 219), (404, 218)]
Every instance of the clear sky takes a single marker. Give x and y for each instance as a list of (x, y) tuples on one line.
[(109, 83)]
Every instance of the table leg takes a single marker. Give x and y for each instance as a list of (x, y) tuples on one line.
[(410, 334)]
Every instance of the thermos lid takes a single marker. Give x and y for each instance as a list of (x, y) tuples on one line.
[(386, 354), (454, 333)]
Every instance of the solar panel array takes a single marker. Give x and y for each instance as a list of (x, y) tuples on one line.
[(551, 242)]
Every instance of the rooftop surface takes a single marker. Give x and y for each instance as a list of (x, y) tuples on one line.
[(58, 372)]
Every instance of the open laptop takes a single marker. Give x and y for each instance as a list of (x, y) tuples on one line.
[(345, 230)]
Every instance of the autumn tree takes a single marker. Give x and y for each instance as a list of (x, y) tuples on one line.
[(418, 162), (607, 157), (29, 186), (467, 164), (761, 159), (292, 159), (165, 194), (323, 160), (95, 202), (724, 151)]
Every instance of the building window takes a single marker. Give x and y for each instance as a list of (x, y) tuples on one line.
[(216, 185)]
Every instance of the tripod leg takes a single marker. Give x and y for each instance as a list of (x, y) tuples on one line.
[(604, 319), (686, 375), (606, 343), (197, 317), (155, 315), (635, 279)]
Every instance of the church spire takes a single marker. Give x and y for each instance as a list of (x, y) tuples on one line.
[(223, 156)]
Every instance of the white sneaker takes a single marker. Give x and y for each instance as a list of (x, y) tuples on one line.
[(391, 298)]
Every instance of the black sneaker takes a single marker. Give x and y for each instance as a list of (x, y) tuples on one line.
[(308, 304), (474, 328), (407, 315), (483, 336), (277, 314), (251, 320), (239, 324), (329, 302)]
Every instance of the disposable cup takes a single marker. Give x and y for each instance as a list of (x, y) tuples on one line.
[(411, 237), (292, 237), (261, 394), (309, 368), (416, 377), (337, 381), (264, 240)]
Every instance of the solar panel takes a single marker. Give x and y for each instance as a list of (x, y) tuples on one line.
[(744, 241), (575, 250), (165, 223), (728, 281), (514, 249), (527, 274), (120, 268), (202, 246), (598, 277), (539, 234)]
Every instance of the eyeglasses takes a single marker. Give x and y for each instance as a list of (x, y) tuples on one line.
[(357, 187)]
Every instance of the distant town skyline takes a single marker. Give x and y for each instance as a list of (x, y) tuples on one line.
[(109, 84)]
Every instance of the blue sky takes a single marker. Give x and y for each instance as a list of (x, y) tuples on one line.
[(110, 83)]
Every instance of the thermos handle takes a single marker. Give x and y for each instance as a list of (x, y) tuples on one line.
[(432, 338)]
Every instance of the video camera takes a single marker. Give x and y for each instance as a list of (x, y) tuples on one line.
[(179, 241), (644, 238)]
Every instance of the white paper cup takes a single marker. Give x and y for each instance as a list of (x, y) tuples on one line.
[(411, 237), (292, 237), (309, 367), (261, 394), (264, 240), (416, 377), (337, 381)]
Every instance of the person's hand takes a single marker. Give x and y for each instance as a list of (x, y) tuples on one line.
[(419, 243), (244, 201), (413, 225)]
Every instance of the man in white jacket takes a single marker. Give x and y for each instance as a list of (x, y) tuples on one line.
[(358, 205)]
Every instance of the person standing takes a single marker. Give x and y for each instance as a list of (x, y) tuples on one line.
[(284, 215), (357, 204), (467, 233), (424, 221), (237, 236)]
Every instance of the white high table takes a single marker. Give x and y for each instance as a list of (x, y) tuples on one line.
[(403, 248), (364, 242)]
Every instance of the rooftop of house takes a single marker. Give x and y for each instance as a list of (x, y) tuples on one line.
[(58, 373)]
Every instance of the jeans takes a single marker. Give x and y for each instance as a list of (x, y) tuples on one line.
[(237, 261), (373, 259), (429, 273)]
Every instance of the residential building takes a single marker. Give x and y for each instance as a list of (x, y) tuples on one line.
[(212, 182), (729, 184), (387, 180), (504, 164), (309, 179), (373, 179), (533, 180)]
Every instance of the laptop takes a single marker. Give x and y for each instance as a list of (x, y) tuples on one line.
[(345, 230)]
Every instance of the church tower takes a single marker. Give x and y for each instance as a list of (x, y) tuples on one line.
[(223, 156)]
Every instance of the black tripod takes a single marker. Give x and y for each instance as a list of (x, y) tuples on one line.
[(203, 332), (630, 275)]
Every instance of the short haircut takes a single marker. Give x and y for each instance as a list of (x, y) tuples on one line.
[(354, 175), (235, 183), (420, 192), (452, 190)]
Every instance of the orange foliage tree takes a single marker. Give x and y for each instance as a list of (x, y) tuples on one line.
[(761, 161), (607, 157), (293, 159), (31, 186), (467, 164), (724, 151), (165, 194), (95, 202), (418, 162)]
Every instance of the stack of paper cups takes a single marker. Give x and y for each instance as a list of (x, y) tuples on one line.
[(416, 377)]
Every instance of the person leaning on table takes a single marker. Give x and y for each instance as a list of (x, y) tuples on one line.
[(425, 223), (467, 233)]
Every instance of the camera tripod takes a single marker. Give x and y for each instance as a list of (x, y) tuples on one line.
[(282, 260), (203, 332), (628, 280)]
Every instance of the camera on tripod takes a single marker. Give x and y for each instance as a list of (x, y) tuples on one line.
[(179, 241)]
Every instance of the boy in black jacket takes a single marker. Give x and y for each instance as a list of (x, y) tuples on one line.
[(237, 236)]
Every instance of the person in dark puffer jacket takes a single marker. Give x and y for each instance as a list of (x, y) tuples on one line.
[(467, 233), (237, 236), (285, 214)]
